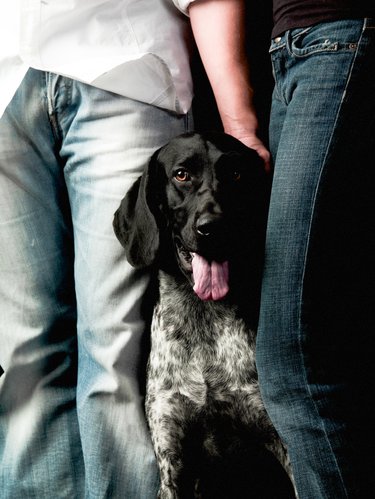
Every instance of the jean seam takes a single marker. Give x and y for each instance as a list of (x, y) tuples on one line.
[(55, 111), (277, 92), (318, 49), (307, 384), (52, 114), (280, 46)]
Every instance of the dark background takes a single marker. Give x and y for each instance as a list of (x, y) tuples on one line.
[(258, 34)]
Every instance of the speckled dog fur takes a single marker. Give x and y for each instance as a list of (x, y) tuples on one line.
[(208, 424)]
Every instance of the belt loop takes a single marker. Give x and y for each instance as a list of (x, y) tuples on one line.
[(277, 43), (288, 41)]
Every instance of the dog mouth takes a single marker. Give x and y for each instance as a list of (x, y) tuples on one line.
[(210, 278)]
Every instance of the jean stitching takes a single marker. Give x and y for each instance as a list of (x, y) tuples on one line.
[(51, 113), (307, 384), (320, 48), (277, 46), (276, 89)]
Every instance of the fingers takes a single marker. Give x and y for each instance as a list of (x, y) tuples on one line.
[(253, 142)]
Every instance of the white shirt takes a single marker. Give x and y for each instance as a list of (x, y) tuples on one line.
[(136, 48)]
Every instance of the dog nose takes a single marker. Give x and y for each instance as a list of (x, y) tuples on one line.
[(208, 225)]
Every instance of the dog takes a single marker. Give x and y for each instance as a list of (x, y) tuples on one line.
[(198, 214)]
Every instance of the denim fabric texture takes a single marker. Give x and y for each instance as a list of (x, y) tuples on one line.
[(72, 328), (315, 349)]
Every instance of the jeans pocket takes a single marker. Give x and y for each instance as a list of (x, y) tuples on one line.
[(337, 36)]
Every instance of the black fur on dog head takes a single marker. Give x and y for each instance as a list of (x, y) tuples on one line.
[(200, 193)]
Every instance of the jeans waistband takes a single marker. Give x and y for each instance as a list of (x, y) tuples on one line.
[(280, 41)]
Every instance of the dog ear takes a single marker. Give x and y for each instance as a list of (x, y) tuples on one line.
[(139, 219)]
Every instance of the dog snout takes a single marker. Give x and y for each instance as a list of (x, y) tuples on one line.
[(208, 225)]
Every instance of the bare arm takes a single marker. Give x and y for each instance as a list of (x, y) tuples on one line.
[(219, 31)]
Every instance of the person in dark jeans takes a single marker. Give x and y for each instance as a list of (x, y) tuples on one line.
[(315, 345)]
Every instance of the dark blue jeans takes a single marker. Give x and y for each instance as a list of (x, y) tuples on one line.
[(315, 348)]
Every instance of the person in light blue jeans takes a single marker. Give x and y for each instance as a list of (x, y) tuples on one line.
[(97, 87), (315, 349), (64, 171)]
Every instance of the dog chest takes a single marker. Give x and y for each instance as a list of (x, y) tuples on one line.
[(201, 349)]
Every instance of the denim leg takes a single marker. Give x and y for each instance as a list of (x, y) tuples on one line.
[(316, 305), (97, 144), (40, 450), (106, 146)]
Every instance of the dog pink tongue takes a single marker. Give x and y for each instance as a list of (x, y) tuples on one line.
[(210, 279)]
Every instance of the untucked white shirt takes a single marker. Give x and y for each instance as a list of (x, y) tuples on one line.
[(136, 48)]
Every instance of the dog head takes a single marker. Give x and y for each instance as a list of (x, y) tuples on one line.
[(204, 198)]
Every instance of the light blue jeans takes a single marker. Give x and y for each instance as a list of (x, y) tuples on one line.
[(315, 349), (72, 328)]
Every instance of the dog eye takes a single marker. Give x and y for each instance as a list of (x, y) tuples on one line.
[(182, 175), (236, 175)]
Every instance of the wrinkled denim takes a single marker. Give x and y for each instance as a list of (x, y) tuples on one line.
[(315, 345), (72, 328)]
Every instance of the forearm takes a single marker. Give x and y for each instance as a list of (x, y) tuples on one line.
[(219, 31)]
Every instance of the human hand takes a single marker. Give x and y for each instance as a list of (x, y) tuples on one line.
[(251, 140)]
